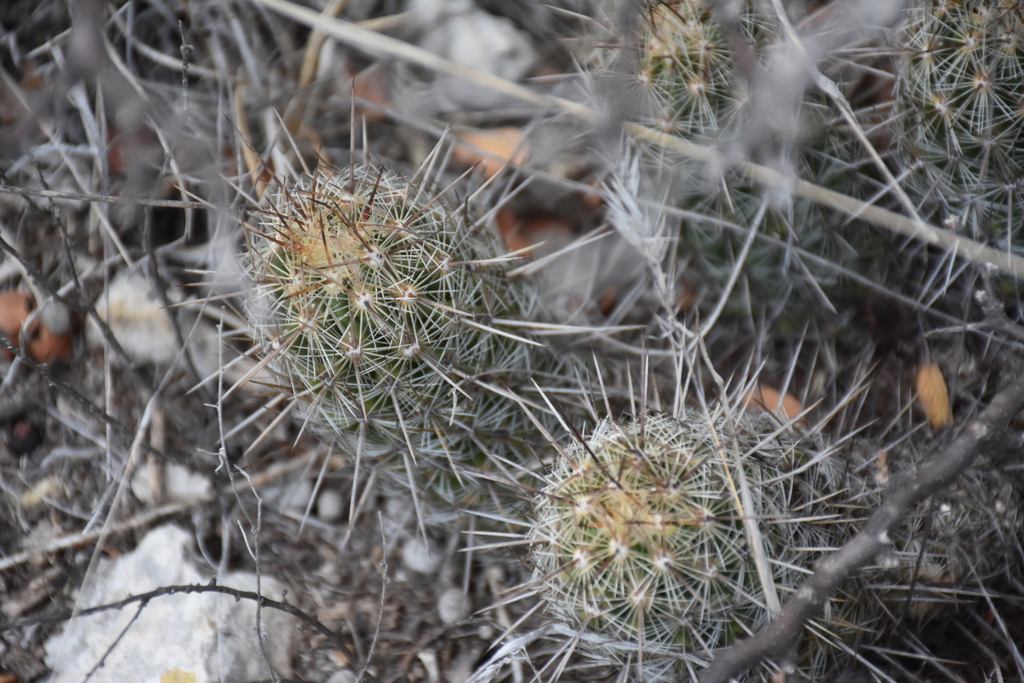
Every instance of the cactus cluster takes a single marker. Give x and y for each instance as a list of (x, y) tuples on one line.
[(392, 324), (958, 113), (661, 537), (678, 535)]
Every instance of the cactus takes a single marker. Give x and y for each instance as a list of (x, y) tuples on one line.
[(390, 322), (663, 538), (958, 113), (686, 70), (688, 74), (673, 535)]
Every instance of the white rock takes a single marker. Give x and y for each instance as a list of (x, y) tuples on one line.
[(55, 316), (343, 676), (209, 353), (453, 606), (420, 557), (480, 40), (329, 506), (137, 319), (198, 636), (180, 485), (296, 497)]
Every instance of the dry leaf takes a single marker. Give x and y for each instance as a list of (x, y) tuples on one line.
[(15, 307), (46, 488), (492, 147), (43, 345), (508, 227), (592, 201), (48, 346), (369, 85), (771, 400), (606, 301), (686, 293), (546, 228), (933, 395), (882, 465), (518, 233)]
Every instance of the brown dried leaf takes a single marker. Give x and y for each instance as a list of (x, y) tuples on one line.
[(15, 307), (48, 346), (770, 399), (606, 301), (933, 396), (370, 85), (497, 146), (508, 227), (43, 344), (518, 233)]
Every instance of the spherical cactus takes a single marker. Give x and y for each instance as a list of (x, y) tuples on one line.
[(686, 70), (959, 113), (383, 314), (673, 535)]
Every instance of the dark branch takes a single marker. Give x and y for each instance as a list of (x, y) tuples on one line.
[(335, 638), (909, 489)]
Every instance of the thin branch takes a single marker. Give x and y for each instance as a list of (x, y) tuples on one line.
[(777, 638), (104, 198), (335, 638), (113, 645), (85, 538)]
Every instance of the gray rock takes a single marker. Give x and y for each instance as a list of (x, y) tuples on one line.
[(180, 637), (137, 319), (329, 506), (483, 41), (453, 606), (421, 556)]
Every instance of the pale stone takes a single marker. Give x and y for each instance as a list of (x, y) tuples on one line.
[(329, 506), (482, 41), (180, 485), (453, 606), (137, 318), (343, 676), (208, 635), (420, 557)]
